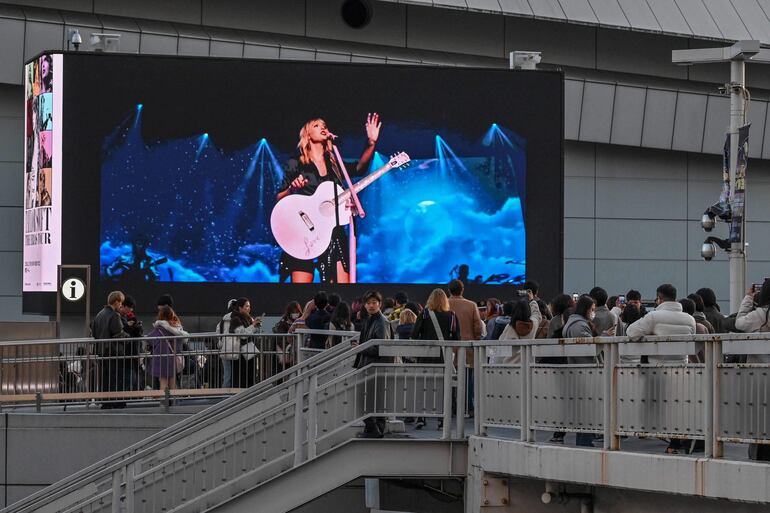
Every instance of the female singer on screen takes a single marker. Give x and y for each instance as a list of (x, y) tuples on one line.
[(317, 164)]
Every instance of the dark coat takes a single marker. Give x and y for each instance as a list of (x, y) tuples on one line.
[(715, 317), (424, 330), (376, 327), (318, 320)]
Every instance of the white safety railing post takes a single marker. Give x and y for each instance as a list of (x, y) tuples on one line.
[(461, 392), (312, 409), (527, 435), (718, 446), (130, 472), (448, 370), (299, 394), (116, 478), (478, 354), (708, 410), (609, 418)]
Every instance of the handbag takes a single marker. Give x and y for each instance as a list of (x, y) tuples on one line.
[(178, 359), (249, 350)]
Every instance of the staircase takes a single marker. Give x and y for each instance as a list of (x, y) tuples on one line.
[(279, 444)]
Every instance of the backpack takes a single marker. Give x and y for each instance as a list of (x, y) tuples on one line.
[(229, 347)]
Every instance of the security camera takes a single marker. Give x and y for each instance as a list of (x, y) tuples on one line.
[(708, 251), (707, 222), (524, 60), (75, 39), (723, 89)]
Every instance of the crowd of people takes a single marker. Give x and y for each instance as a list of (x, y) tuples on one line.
[(443, 317)]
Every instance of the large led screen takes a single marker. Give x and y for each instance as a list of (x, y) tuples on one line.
[(222, 175)]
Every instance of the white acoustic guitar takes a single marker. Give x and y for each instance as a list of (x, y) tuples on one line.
[(302, 225)]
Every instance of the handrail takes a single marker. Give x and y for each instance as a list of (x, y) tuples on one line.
[(296, 376), (176, 431)]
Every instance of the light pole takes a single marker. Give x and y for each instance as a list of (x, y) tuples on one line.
[(730, 208)]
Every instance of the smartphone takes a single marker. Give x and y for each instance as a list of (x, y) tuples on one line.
[(756, 288), (575, 296), (622, 300), (522, 293)]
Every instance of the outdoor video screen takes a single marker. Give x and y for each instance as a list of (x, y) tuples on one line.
[(216, 171)]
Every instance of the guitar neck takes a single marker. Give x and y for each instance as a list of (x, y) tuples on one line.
[(368, 180)]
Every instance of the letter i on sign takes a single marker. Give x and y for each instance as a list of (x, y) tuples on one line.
[(73, 286)]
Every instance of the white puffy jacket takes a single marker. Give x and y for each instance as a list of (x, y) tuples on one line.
[(752, 320), (667, 319)]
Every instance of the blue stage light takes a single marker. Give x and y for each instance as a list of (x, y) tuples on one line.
[(139, 106)]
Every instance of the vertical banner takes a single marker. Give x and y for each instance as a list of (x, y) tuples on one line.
[(724, 197), (42, 173), (736, 227)]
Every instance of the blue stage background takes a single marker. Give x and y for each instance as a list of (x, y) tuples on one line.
[(183, 210)]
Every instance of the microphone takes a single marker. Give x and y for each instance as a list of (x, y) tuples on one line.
[(333, 138)]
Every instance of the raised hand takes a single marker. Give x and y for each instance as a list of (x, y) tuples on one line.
[(298, 183), (373, 125)]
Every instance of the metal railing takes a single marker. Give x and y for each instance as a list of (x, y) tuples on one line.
[(306, 411), (77, 371)]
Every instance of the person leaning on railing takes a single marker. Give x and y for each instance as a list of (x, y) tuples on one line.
[(243, 325), (525, 320), (754, 317)]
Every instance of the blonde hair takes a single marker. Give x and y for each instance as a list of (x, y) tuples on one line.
[(437, 301), (304, 141), (115, 296), (407, 317)]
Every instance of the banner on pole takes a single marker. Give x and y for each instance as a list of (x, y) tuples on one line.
[(736, 226)]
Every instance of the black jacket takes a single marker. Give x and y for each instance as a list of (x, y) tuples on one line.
[(424, 330), (107, 324), (715, 317), (376, 327)]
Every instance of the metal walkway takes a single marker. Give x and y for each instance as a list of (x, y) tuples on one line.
[(296, 432)]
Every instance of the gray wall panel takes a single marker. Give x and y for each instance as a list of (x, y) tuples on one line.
[(659, 113), (698, 18), (578, 10), (386, 28), (639, 239), (618, 276), (728, 21), (754, 18), (516, 7), (226, 49), (639, 14), (11, 231), (11, 139), (12, 43), (757, 117), (42, 36), (573, 103), (637, 163), (10, 282), (156, 44), (183, 11), (579, 197), (485, 5), (758, 237), (703, 194), (11, 184), (281, 16), (579, 159), (669, 16), (596, 112), (618, 50), (575, 44), (717, 122), (332, 57), (69, 5), (547, 9), (766, 139), (714, 275), (297, 54), (578, 238), (609, 12), (689, 122), (261, 52), (640, 198), (455, 31), (11, 101), (578, 275), (193, 46), (628, 115)]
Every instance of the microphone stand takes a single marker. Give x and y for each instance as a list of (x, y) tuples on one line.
[(355, 209)]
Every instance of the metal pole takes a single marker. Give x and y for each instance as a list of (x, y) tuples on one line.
[(526, 403), (447, 430), (312, 407), (717, 445), (477, 370), (299, 394), (737, 254), (708, 410), (461, 370)]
